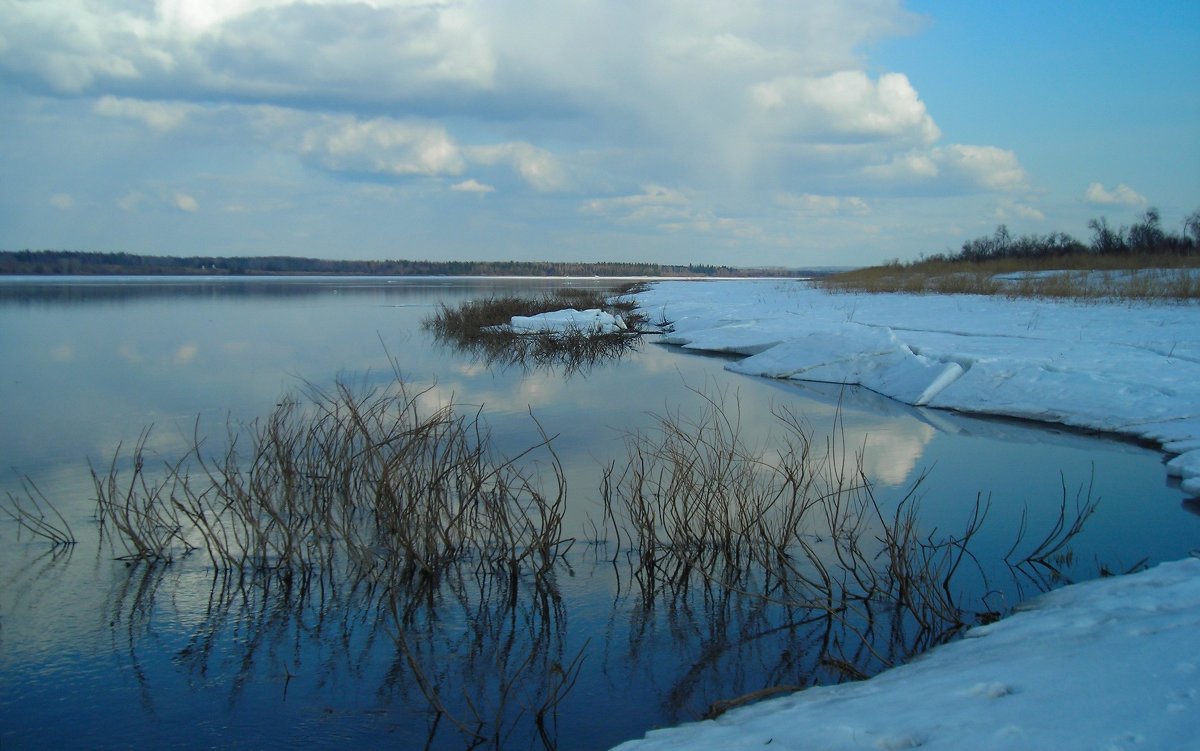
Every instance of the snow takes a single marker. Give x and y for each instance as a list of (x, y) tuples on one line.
[(1119, 368), (1107, 664), (592, 321)]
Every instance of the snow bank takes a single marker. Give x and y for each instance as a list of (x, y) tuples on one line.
[(1108, 664), (592, 321), (1128, 369)]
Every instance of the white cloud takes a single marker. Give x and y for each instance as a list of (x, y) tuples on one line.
[(1018, 210), (811, 205), (654, 204), (846, 105), (161, 116), (671, 210), (130, 201), (383, 146), (953, 168), (62, 201), (472, 186), (184, 202), (982, 166), (1122, 195), (537, 167)]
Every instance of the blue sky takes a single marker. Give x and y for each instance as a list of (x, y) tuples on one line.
[(789, 133)]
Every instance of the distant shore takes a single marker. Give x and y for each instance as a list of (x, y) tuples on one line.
[(68, 262)]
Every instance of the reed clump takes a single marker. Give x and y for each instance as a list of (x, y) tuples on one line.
[(797, 528), (481, 328), (372, 478)]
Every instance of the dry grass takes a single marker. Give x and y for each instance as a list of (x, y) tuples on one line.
[(1079, 277)]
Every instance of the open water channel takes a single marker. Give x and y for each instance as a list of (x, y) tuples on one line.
[(97, 652)]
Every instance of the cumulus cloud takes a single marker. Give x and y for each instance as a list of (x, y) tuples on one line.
[(537, 167), (1018, 210), (811, 205), (383, 145), (654, 204), (130, 201), (673, 211), (740, 102), (1122, 195), (954, 168), (161, 116), (62, 201), (184, 202), (846, 105), (472, 186)]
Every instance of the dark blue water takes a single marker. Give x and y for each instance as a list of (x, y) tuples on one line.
[(95, 653)]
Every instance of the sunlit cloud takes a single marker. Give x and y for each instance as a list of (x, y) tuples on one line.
[(472, 186), (811, 205), (728, 121), (954, 168), (184, 202), (130, 201), (846, 105), (160, 116), (185, 354), (1122, 195)]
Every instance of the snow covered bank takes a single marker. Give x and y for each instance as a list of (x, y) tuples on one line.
[(1132, 369), (1108, 664)]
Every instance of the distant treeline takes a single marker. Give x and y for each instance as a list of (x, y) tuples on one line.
[(76, 262), (1144, 237)]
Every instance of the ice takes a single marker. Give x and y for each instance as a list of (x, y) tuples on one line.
[(1107, 664)]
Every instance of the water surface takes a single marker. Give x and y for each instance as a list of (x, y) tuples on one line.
[(96, 653)]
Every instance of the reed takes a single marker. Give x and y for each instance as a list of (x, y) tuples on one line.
[(798, 527), (36, 514)]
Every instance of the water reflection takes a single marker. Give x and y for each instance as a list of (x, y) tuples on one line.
[(178, 655)]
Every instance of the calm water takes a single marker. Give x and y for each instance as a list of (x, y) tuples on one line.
[(94, 653)]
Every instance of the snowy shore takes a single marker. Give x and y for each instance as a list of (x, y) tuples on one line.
[(1107, 664)]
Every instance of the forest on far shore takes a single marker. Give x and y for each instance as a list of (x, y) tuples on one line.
[(64, 262)]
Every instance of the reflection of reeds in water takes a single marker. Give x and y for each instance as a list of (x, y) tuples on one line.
[(793, 538), (351, 514), (362, 509)]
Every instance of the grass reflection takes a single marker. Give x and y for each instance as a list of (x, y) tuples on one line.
[(373, 535)]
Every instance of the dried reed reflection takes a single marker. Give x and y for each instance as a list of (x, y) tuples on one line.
[(372, 534)]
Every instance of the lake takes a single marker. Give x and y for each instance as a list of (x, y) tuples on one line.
[(97, 652)]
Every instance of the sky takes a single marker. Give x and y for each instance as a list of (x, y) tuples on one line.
[(765, 132)]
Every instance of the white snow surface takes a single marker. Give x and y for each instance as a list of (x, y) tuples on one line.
[(591, 321), (1106, 664)]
